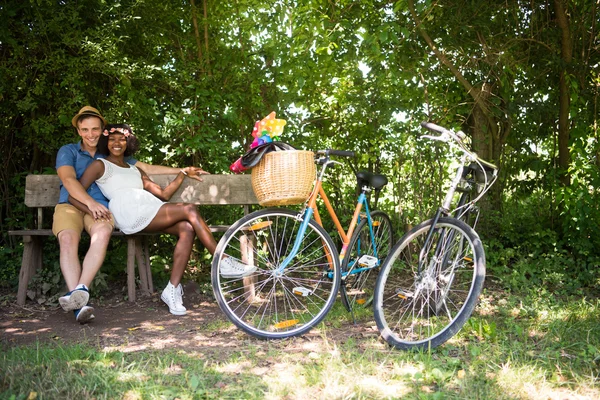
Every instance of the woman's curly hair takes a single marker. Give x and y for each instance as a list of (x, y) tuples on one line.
[(133, 144)]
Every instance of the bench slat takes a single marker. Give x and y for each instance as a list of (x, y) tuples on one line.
[(31, 232), (48, 232)]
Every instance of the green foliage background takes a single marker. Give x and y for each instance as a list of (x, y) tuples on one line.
[(192, 77)]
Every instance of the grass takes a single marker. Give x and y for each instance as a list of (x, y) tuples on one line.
[(530, 346)]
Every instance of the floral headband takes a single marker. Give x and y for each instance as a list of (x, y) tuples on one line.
[(123, 131)]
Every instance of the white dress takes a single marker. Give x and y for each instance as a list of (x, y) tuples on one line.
[(132, 207)]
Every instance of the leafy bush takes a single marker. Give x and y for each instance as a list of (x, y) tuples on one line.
[(531, 250), (10, 259)]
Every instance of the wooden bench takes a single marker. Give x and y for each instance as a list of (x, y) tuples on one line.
[(42, 191)]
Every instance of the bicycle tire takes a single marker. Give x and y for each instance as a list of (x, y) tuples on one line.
[(358, 287), (269, 304), (425, 310)]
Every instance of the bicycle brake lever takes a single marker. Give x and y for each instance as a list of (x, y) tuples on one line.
[(335, 162)]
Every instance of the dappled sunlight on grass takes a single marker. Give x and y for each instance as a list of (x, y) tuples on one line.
[(404, 368), (235, 367), (388, 389), (531, 382), (286, 378), (488, 305), (513, 347), (132, 377), (322, 369), (132, 395)]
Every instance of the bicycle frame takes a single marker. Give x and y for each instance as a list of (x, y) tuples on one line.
[(461, 176), (310, 210), (444, 210)]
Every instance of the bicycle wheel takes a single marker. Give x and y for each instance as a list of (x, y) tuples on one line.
[(424, 307), (363, 260), (269, 303)]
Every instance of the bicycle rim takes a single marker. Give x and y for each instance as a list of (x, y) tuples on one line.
[(424, 309), (273, 304)]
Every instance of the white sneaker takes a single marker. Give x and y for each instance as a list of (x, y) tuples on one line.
[(84, 315), (173, 297), (232, 268), (75, 299)]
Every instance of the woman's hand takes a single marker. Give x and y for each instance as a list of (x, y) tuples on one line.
[(194, 172), (99, 212)]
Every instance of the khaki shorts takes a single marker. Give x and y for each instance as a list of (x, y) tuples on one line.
[(67, 216)]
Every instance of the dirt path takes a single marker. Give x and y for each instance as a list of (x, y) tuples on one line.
[(145, 325)]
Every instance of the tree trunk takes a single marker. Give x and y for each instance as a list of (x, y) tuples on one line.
[(197, 36), (482, 140), (564, 99), (206, 53), (489, 133), (487, 146)]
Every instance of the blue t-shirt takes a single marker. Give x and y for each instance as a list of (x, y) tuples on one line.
[(74, 156)]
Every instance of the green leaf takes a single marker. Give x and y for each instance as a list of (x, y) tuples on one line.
[(194, 382)]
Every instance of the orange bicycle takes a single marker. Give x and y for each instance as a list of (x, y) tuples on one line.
[(298, 270)]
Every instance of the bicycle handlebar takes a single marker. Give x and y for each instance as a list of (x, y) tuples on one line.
[(488, 166), (446, 134), (433, 127), (457, 136), (332, 152)]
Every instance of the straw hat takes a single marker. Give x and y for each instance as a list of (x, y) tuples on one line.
[(87, 110)]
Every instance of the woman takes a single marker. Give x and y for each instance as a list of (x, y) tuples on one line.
[(139, 205)]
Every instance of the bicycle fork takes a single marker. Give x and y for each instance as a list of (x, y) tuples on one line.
[(306, 217), (437, 272)]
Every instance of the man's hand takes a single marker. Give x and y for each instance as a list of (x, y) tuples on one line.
[(99, 213)]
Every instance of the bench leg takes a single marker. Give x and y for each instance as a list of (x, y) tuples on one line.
[(137, 251), (143, 263), (146, 256), (247, 250), (131, 268), (31, 262)]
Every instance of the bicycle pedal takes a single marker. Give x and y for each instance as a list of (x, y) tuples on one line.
[(368, 261), (364, 301), (301, 291), (404, 294)]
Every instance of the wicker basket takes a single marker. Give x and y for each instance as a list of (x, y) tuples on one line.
[(284, 177)]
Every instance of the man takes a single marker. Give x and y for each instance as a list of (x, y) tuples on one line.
[(69, 222)]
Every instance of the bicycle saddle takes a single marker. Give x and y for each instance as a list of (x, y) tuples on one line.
[(375, 181)]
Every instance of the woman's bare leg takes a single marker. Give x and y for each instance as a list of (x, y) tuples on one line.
[(172, 213), (183, 249)]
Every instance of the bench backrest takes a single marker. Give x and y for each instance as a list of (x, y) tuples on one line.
[(43, 190)]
